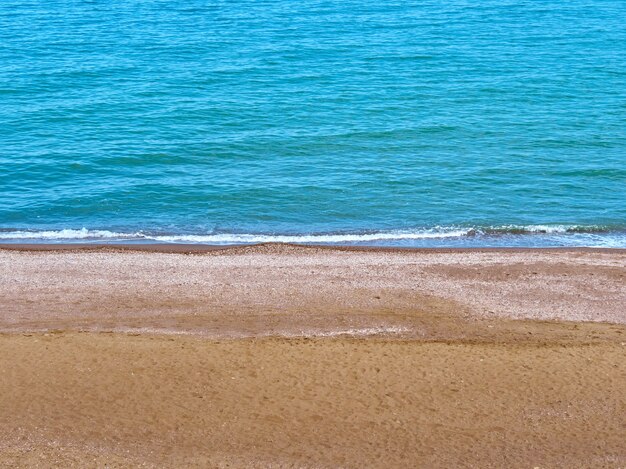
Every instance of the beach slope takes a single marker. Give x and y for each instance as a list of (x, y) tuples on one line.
[(284, 356)]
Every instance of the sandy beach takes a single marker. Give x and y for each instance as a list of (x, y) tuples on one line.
[(285, 356)]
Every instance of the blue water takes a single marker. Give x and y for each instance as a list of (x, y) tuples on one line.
[(424, 123)]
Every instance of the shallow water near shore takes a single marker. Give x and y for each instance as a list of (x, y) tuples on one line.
[(499, 124)]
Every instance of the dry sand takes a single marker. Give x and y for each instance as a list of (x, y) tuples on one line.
[(282, 356)]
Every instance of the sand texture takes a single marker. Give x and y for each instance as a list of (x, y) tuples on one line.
[(281, 356), (285, 290)]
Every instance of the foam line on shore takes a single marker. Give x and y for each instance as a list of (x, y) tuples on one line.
[(559, 235)]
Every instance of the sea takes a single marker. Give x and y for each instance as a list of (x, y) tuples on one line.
[(424, 123)]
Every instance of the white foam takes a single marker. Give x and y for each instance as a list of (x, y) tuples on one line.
[(231, 238), (312, 238), (83, 233), (576, 235)]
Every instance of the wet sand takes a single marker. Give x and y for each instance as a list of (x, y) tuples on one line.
[(283, 356)]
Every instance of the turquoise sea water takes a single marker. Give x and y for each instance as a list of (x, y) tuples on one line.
[(403, 123)]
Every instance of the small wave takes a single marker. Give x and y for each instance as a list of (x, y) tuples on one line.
[(67, 234), (544, 229), (382, 237), (230, 238), (313, 238)]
